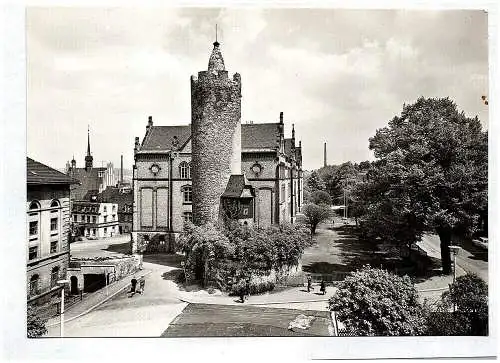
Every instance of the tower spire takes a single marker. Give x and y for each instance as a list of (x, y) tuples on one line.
[(88, 140), (89, 160), (216, 62)]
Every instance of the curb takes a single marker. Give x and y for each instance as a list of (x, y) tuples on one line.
[(253, 303), (97, 304)]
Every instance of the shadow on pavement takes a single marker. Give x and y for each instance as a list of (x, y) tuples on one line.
[(172, 260), (124, 248)]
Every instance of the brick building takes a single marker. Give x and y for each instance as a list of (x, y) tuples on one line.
[(124, 199), (48, 220), (194, 172)]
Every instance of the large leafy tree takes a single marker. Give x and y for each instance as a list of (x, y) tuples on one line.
[(315, 214), (431, 173), (373, 302)]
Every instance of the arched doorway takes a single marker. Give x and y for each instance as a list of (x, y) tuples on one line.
[(74, 285)]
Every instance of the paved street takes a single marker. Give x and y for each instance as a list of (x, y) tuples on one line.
[(470, 258), (146, 315), (100, 247)]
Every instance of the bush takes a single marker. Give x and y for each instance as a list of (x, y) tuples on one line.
[(255, 287), (374, 302), (35, 324)]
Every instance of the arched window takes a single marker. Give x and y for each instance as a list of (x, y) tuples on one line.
[(34, 205), (54, 276), (55, 203), (34, 285), (185, 170), (187, 194)]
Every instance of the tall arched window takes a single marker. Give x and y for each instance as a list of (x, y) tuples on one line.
[(34, 285), (34, 205), (187, 194), (54, 276), (185, 170), (55, 203)]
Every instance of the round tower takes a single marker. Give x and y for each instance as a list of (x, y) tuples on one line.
[(216, 135)]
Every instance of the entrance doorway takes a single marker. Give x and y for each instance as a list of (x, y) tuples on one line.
[(74, 285), (93, 282)]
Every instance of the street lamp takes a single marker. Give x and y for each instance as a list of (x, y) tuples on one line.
[(454, 250), (62, 283)]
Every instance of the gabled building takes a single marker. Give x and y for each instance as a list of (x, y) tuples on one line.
[(48, 221), (193, 172)]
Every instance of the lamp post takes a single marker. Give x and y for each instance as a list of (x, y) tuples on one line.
[(62, 283), (454, 250)]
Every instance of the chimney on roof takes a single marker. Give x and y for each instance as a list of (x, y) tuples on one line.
[(136, 145), (150, 122)]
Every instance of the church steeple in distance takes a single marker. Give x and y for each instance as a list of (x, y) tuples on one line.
[(88, 159)]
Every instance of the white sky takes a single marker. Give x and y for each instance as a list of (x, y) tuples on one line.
[(337, 74)]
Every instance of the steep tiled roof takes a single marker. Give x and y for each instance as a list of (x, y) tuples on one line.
[(38, 173), (113, 195), (259, 136), (89, 180), (253, 136), (161, 137), (235, 186)]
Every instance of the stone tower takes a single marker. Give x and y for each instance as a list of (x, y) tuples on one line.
[(216, 136)]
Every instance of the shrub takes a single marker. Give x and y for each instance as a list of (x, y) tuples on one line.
[(375, 302), (255, 287), (35, 324)]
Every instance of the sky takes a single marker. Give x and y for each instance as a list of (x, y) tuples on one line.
[(337, 74)]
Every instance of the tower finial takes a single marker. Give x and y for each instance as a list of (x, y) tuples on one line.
[(216, 43)]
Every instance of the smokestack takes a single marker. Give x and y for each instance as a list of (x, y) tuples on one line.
[(281, 117), (324, 156), (121, 170)]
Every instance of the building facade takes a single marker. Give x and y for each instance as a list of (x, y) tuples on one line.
[(190, 172), (123, 197), (95, 220), (48, 221)]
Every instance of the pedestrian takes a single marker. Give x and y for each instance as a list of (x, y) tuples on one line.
[(247, 288), (133, 285), (242, 288), (142, 282), (309, 283), (323, 287)]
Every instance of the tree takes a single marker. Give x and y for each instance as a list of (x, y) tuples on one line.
[(314, 182), (431, 173), (315, 214), (36, 324), (204, 246), (463, 310), (374, 302), (320, 197)]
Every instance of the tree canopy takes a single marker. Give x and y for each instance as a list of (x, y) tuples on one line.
[(431, 172), (315, 214)]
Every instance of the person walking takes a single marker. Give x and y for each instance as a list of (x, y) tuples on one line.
[(322, 288), (133, 285), (309, 283)]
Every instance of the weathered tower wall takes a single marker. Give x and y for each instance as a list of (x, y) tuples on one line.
[(216, 139)]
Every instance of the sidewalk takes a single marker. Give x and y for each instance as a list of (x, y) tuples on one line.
[(93, 300), (292, 298)]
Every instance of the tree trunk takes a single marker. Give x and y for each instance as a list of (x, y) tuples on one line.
[(445, 238)]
